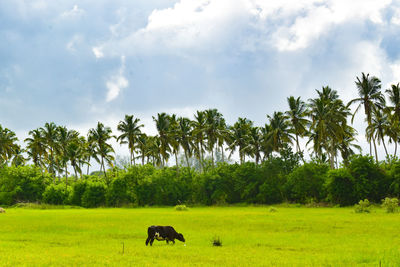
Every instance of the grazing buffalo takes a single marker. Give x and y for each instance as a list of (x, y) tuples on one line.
[(162, 233)]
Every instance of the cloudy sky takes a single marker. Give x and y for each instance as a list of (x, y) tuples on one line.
[(76, 63)]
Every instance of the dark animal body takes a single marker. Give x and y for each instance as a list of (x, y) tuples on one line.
[(162, 233)]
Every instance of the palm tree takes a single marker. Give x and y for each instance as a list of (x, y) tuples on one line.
[(49, 133), (266, 145), (173, 137), (185, 137), (296, 114), (64, 138), (347, 143), (280, 133), (239, 137), (163, 127), (199, 127), (370, 96), (142, 145), (100, 136), (255, 143), (378, 128), (8, 145), (36, 147), (394, 115), (328, 121), (213, 126), (130, 133), (18, 157)]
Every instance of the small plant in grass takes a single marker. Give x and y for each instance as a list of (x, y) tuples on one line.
[(363, 206), (216, 241), (273, 209), (390, 204), (181, 208)]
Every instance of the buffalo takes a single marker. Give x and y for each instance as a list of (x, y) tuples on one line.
[(162, 233)]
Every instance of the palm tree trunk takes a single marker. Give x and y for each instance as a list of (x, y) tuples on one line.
[(384, 146), (222, 152), (376, 152), (88, 165), (187, 159), (133, 156), (212, 156), (176, 160), (395, 148)]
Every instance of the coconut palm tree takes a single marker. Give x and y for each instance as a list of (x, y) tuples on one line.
[(297, 116), (328, 119), (255, 143), (378, 128), (49, 134), (18, 158), (240, 138), (130, 133), (199, 136), (64, 138), (393, 113), (370, 96), (36, 148), (8, 145), (142, 144), (266, 145), (280, 133), (185, 137), (99, 136), (213, 125), (173, 137), (163, 127)]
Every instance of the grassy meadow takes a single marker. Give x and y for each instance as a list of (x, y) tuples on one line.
[(251, 236)]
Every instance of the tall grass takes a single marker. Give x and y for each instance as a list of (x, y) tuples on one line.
[(252, 236)]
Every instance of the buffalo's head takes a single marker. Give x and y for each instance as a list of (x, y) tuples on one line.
[(180, 237)]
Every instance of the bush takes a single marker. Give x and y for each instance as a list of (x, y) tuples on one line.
[(370, 180), (340, 187), (78, 189), (307, 182), (363, 206), (22, 184), (94, 195), (56, 194), (181, 208), (390, 204), (117, 193)]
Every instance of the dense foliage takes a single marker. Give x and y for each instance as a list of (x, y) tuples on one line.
[(274, 181)]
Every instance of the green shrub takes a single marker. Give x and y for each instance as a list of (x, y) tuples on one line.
[(22, 184), (181, 208), (363, 206), (307, 182), (340, 187), (117, 193), (390, 204), (370, 180), (56, 194), (78, 189), (94, 195)]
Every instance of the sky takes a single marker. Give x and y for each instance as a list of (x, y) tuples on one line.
[(77, 63)]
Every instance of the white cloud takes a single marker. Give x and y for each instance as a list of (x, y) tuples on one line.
[(97, 51), (74, 12), (206, 24), (116, 83)]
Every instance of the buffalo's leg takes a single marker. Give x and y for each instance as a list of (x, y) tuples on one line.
[(151, 241), (147, 240)]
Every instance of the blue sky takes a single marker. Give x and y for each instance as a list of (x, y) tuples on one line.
[(76, 63)]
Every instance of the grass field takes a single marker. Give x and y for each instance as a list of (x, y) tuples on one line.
[(251, 236)]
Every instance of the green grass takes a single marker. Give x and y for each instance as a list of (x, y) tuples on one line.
[(251, 236)]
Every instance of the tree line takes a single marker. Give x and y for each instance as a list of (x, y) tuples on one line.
[(323, 121)]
